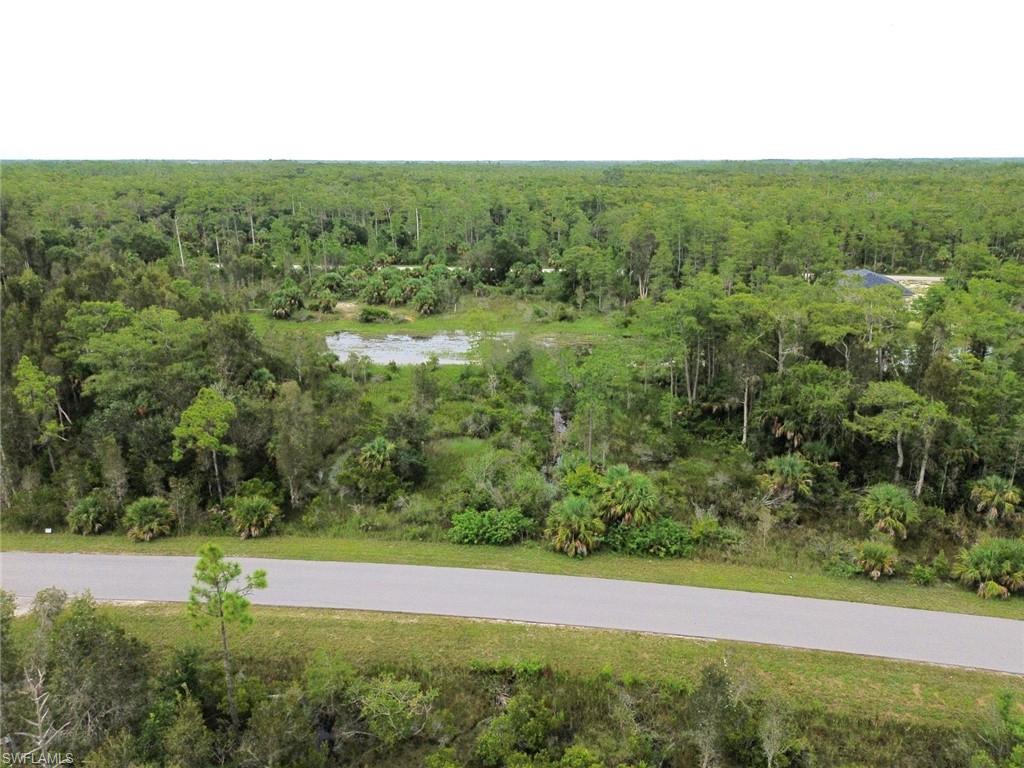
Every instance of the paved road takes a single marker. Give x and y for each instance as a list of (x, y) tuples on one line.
[(832, 625)]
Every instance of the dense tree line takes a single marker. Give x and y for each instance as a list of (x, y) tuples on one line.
[(748, 385), (657, 223)]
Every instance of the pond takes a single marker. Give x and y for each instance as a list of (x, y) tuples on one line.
[(450, 347)]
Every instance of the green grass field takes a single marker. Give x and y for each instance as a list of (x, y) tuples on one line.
[(809, 680), (536, 558)]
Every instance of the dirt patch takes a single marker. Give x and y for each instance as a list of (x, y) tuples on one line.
[(347, 309)]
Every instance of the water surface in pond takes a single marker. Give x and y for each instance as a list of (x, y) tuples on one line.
[(450, 348)]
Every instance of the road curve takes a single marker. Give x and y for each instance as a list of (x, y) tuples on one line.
[(829, 625)]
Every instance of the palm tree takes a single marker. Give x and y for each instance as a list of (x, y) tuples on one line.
[(994, 566), (788, 476), (616, 473), (376, 454), (877, 558), (573, 528), (888, 508), (629, 497), (996, 498)]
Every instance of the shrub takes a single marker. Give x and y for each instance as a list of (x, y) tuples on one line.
[(253, 515), (352, 282), (96, 673), (841, 566), (443, 758), (922, 575), (322, 300), (148, 518), (527, 489), (479, 423), (579, 757), (90, 515), (573, 527), (940, 564), (255, 486), (277, 728), (995, 567), (996, 498), (374, 315), (376, 455), (662, 538), (525, 727), (788, 476), (426, 301), (187, 740), (877, 558), (491, 526), (286, 300), (581, 480), (628, 497), (370, 471), (500, 480), (393, 709), (888, 508), (709, 534)]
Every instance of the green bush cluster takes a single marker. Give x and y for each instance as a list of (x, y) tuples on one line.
[(994, 567), (877, 558), (710, 535), (148, 518), (523, 729), (253, 515), (889, 509), (573, 527), (489, 526), (375, 315), (620, 508), (597, 502), (90, 515), (423, 288), (498, 479), (662, 538), (286, 300)]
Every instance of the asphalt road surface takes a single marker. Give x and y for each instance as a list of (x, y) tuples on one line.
[(830, 625)]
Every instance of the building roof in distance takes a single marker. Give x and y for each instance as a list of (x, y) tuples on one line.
[(871, 279)]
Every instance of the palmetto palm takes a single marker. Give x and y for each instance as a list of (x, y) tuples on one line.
[(888, 508), (253, 515), (376, 454), (616, 473), (996, 498), (788, 476), (877, 558), (573, 528), (148, 518), (629, 497), (995, 567)]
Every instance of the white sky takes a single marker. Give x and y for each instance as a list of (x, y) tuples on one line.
[(515, 80)]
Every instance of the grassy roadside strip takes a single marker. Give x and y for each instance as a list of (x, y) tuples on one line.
[(537, 559), (839, 684)]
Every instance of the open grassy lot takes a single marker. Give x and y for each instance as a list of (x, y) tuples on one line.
[(812, 681), (535, 558)]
